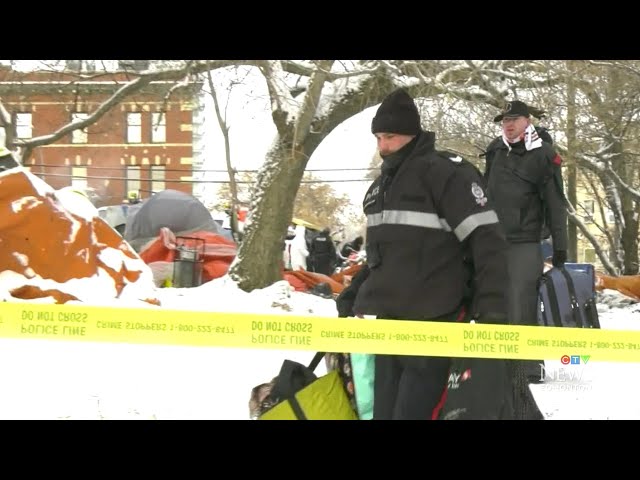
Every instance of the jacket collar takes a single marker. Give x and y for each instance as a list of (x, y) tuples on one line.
[(423, 142), (518, 148)]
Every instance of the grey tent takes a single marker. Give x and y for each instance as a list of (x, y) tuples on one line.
[(115, 216), (178, 211)]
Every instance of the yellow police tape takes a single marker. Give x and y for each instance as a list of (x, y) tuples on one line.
[(290, 332)]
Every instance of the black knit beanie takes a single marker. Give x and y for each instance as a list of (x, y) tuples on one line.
[(397, 114)]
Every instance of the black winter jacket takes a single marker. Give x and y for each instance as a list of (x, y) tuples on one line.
[(527, 192), (428, 220)]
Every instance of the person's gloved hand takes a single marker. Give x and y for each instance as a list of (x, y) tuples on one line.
[(346, 299), (559, 257)]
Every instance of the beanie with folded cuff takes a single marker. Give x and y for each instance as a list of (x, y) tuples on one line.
[(397, 114)]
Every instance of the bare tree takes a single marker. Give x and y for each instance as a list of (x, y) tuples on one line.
[(317, 202), (233, 188), (608, 98), (302, 120), (311, 98), (180, 73), (279, 178)]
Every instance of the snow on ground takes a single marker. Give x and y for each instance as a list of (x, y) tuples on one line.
[(598, 390), (44, 379)]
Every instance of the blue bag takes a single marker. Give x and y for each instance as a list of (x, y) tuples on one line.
[(567, 297)]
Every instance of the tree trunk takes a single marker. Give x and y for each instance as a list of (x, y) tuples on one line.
[(269, 218), (572, 171), (259, 260), (278, 180), (630, 244)]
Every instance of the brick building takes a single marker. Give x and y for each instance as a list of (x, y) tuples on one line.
[(142, 144)]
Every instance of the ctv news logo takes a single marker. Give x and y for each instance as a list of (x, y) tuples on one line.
[(569, 376), (574, 359)]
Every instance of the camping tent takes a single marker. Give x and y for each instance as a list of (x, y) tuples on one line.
[(178, 211), (115, 216)]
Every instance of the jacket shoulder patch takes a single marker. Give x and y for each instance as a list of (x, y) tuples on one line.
[(478, 193)]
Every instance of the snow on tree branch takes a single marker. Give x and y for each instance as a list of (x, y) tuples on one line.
[(575, 218), (283, 105), (311, 101), (631, 191)]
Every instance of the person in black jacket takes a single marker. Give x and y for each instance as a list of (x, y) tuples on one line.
[(354, 246), (322, 254), (434, 251), (524, 182)]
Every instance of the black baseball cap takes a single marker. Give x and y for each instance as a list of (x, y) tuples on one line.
[(513, 109)]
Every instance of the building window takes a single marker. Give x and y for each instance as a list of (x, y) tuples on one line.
[(79, 135), (133, 181), (610, 216), (589, 255), (158, 178), (73, 65), (78, 66), (158, 128), (134, 127), (79, 178), (137, 65), (24, 128), (588, 206)]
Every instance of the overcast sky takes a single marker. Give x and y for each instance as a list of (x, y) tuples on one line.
[(350, 145)]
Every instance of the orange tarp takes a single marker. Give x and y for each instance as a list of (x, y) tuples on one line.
[(350, 271), (218, 253), (311, 279), (628, 285), (41, 240)]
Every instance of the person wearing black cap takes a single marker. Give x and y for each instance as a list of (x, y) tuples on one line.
[(428, 220), (354, 246), (524, 181)]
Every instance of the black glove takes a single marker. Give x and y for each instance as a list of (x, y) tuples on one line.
[(559, 257), (346, 299)]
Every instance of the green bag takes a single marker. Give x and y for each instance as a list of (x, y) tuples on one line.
[(363, 366), (299, 394)]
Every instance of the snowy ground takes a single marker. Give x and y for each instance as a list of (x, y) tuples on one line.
[(600, 390), (61, 380)]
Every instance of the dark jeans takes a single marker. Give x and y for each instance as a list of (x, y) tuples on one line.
[(409, 387), (322, 263), (524, 262)]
